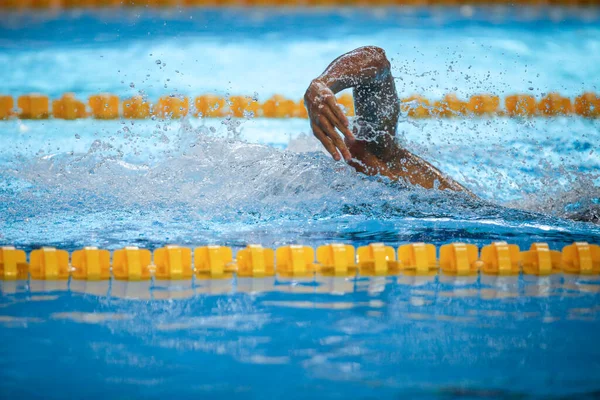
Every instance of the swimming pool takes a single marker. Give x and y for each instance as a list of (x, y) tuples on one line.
[(231, 182)]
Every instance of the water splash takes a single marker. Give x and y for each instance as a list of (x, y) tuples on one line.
[(159, 182)]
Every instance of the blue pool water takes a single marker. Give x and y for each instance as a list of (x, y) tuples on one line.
[(508, 338), (225, 181)]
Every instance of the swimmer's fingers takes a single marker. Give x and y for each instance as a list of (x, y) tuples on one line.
[(334, 119), (342, 120), (327, 143), (332, 102), (328, 128)]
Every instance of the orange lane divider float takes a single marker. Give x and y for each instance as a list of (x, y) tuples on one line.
[(336, 260), (417, 258), (109, 106), (255, 261), (68, 107), (136, 108), (540, 260), (501, 258), (90, 264), (49, 263), (555, 104), (173, 262), (214, 262), (171, 107), (295, 261), (581, 258), (13, 263), (377, 259), (7, 105), (520, 105), (34, 106), (486, 105), (58, 4), (132, 264), (104, 106), (460, 259)]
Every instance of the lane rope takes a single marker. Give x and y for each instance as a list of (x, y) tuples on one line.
[(66, 4), (109, 106), (296, 261)]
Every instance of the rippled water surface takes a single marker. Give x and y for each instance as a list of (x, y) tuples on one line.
[(331, 338), (196, 181)]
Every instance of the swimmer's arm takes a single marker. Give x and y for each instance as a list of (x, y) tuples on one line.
[(360, 67), (368, 71), (404, 166)]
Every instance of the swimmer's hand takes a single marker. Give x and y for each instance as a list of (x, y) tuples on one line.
[(325, 117)]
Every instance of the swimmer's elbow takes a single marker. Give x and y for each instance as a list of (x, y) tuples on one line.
[(377, 57)]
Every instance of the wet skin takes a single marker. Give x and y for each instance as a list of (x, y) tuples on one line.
[(370, 147)]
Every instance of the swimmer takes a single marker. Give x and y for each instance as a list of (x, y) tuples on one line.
[(371, 148)]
